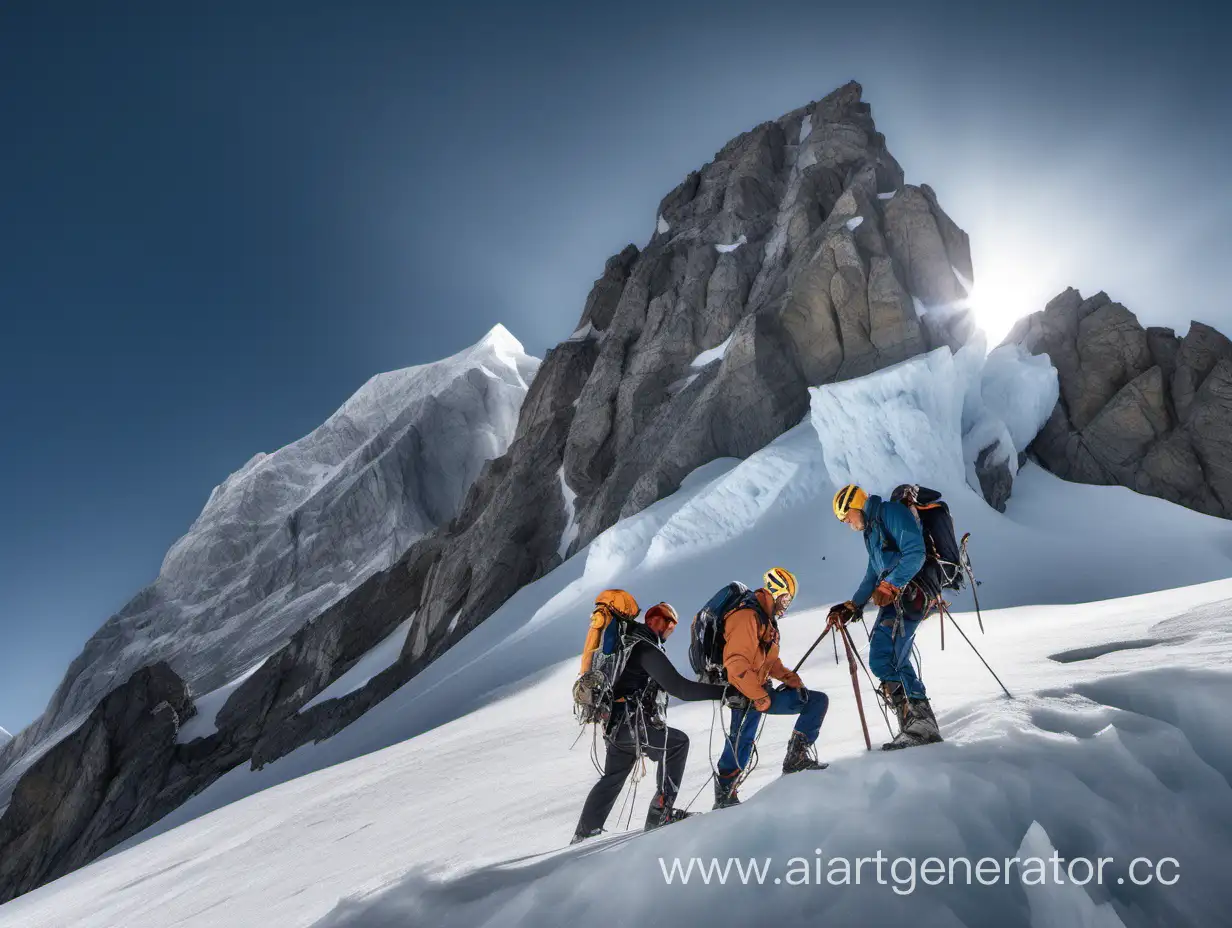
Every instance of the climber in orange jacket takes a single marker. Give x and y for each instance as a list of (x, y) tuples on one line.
[(751, 658)]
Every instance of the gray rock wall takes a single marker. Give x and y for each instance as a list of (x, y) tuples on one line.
[(1139, 407)]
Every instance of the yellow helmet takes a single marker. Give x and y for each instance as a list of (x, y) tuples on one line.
[(780, 580), (848, 498)]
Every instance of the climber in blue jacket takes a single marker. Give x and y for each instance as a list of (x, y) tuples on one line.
[(895, 543)]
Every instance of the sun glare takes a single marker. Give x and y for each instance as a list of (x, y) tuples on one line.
[(1003, 294)]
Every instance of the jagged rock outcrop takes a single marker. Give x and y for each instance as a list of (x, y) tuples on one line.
[(799, 251), (95, 787), (1139, 407), (292, 532), (995, 476), (797, 257)]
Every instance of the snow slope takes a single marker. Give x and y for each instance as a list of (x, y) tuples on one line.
[(292, 532), (1116, 745), (4, 736)]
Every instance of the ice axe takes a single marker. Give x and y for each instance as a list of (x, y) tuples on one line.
[(966, 564)]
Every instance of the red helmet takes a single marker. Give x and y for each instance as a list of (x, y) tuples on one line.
[(663, 612)]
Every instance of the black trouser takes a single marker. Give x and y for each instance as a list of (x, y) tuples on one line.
[(669, 747)]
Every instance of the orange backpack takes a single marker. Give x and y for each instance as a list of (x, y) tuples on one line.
[(603, 655)]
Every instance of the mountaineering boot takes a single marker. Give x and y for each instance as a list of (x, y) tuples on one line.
[(583, 835), (663, 813), (725, 792), (800, 756), (917, 725)]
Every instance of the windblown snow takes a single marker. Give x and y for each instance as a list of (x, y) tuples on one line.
[(292, 532), (450, 803)]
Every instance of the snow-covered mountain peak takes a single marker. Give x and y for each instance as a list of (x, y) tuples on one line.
[(292, 531), (5, 737), (502, 339)]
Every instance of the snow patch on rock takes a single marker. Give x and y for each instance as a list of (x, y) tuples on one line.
[(379, 658), (570, 532), (583, 333), (854, 222), (806, 127), (208, 705), (727, 249), (712, 354), (662, 226)]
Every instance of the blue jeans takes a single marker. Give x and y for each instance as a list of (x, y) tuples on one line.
[(811, 706), (889, 655)]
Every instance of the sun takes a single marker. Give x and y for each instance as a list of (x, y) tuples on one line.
[(1003, 292)]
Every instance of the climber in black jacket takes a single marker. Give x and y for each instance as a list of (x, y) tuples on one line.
[(636, 723)]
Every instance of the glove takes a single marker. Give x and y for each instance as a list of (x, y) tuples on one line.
[(845, 612), (792, 681), (762, 705), (734, 699), (885, 593)]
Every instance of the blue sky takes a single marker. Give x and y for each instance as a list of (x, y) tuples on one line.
[(216, 224)]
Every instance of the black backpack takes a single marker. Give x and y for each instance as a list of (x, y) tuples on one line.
[(943, 559), (706, 639)]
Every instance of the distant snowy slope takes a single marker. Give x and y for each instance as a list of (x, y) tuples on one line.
[(291, 532), (5, 737)]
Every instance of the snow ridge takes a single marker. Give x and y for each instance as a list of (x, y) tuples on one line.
[(292, 532)]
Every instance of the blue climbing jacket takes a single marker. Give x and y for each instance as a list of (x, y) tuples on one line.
[(895, 543)]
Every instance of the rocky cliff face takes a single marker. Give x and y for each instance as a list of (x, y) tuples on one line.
[(796, 257), (95, 787), (292, 532), (791, 259), (1139, 407)]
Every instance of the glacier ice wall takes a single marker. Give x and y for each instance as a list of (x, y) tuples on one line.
[(927, 419)]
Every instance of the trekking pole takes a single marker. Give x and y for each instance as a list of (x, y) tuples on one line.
[(825, 631), (855, 684), (873, 686), (978, 654), (966, 563)]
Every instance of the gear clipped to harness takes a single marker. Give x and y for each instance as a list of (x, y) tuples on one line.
[(603, 656)]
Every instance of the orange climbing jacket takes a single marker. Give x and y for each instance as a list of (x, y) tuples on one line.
[(751, 649)]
